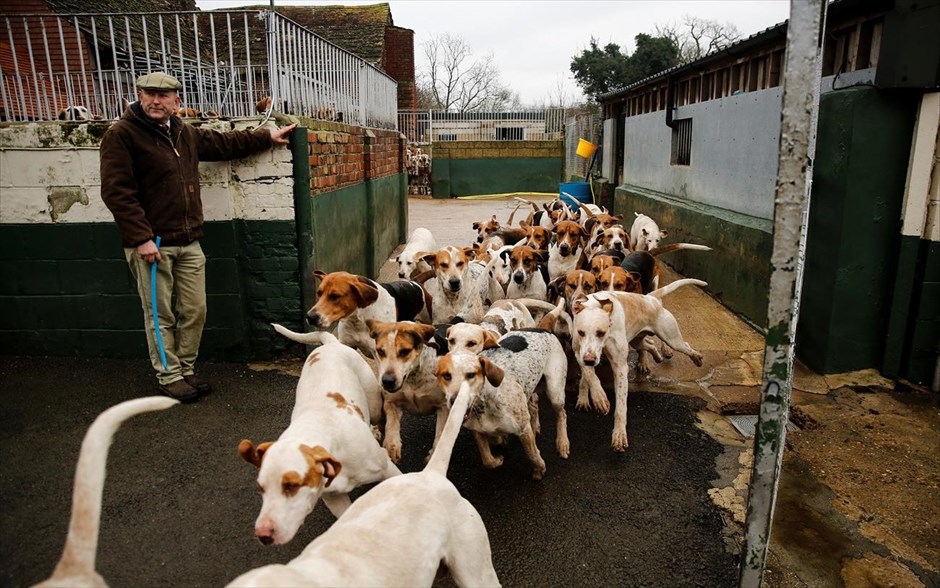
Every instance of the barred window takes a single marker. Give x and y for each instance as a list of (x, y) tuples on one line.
[(682, 142)]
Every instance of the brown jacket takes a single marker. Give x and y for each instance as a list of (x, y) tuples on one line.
[(150, 180)]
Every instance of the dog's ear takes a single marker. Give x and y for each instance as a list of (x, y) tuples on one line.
[(428, 257), (618, 217), (320, 274), (633, 282), (426, 332), (375, 327), (365, 291), (252, 454), (554, 287), (318, 456), (476, 226), (470, 252), (490, 340), (541, 255), (607, 305), (663, 234), (494, 374), (645, 232)]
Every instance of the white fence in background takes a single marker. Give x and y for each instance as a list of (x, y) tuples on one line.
[(423, 127), (226, 60)]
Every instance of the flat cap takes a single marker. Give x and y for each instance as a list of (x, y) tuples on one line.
[(158, 81)]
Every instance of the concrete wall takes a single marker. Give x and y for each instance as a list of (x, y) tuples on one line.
[(734, 153), (465, 168), (66, 289)]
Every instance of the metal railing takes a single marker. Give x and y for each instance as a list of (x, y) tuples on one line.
[(423, 127), (226, 60), (585, 125)]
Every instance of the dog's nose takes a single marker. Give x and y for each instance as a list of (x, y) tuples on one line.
[(312, 319), (618, 246), (389, 382), (518, 277), (265, 536), (589, 360), (401, 275), (454, 284), (565, 249)]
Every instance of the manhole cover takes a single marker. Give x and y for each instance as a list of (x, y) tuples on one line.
[(746, 424)]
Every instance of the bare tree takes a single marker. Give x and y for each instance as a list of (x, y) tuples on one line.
[(457, 82), (696, 37)]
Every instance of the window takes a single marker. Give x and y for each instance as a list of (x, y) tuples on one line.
[(682, 142), (509, 134)]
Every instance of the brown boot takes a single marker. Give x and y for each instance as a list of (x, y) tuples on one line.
[(198, 383), (180, 390)]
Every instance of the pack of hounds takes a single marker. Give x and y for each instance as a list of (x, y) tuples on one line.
[(466, 334)]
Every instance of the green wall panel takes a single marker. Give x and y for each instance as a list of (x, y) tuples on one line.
[(387, 228), (468, 177), (853, 242), (340, 230), (737, 269)]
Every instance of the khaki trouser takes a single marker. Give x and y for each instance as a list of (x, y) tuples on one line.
[(181, 271)]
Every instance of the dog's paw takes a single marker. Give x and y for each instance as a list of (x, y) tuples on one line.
[(619, 441), (494, 462), (666, 351), (600, 402), (642, 369), (394, 452), (538, 470), (564, 448), (696, 358), (377, 433), (582, 403)]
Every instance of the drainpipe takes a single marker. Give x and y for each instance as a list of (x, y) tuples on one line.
[(669, 100), (798, 114)]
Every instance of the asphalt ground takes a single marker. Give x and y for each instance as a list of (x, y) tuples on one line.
[(179, 504)]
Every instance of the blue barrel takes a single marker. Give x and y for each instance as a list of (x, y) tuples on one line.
[(572, 192)]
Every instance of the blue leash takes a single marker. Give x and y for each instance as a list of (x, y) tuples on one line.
[(153, 305)]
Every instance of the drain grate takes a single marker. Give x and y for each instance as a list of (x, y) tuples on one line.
[(746, 424)]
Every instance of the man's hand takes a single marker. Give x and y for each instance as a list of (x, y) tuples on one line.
[(148, 252), (279, 136)]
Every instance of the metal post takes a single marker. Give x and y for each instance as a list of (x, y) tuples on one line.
[(794, 173)]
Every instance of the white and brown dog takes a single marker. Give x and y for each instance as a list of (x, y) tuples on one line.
[(528, 356), (349, 300), (605, 324), (459, 288), (329, 449), (485, 228), (400, 533), (645, 234), (409, 263), (498, 406), (527, 271), (568, 239), (76, 567), (406, 357)]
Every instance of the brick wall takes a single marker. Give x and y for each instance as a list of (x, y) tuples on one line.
[(399, 63), (342, 156), (498, 149)]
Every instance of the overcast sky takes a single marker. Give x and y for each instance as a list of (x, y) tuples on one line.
[(533, 41)]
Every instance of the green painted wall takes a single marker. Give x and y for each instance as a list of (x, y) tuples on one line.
[(467, 177), (72, 293), (737, 269), (853, 242)]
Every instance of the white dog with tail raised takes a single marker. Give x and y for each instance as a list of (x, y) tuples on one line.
[(328, 449), (400, 533), (77, 565)]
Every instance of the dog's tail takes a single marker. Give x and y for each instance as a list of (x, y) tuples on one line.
[(536, 304), (676, 285), (548, 321), (534, 206), (676, 247), (440, 459), (513, 214), (586, 210), (81, 543), (311, 338)]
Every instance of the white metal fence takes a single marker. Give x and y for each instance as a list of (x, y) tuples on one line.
[(227, 61), (423, 127), (585, 125)]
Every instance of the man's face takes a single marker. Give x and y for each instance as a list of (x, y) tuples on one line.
[(159, 105)]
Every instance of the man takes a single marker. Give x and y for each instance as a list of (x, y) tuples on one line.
[(150, 182)]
